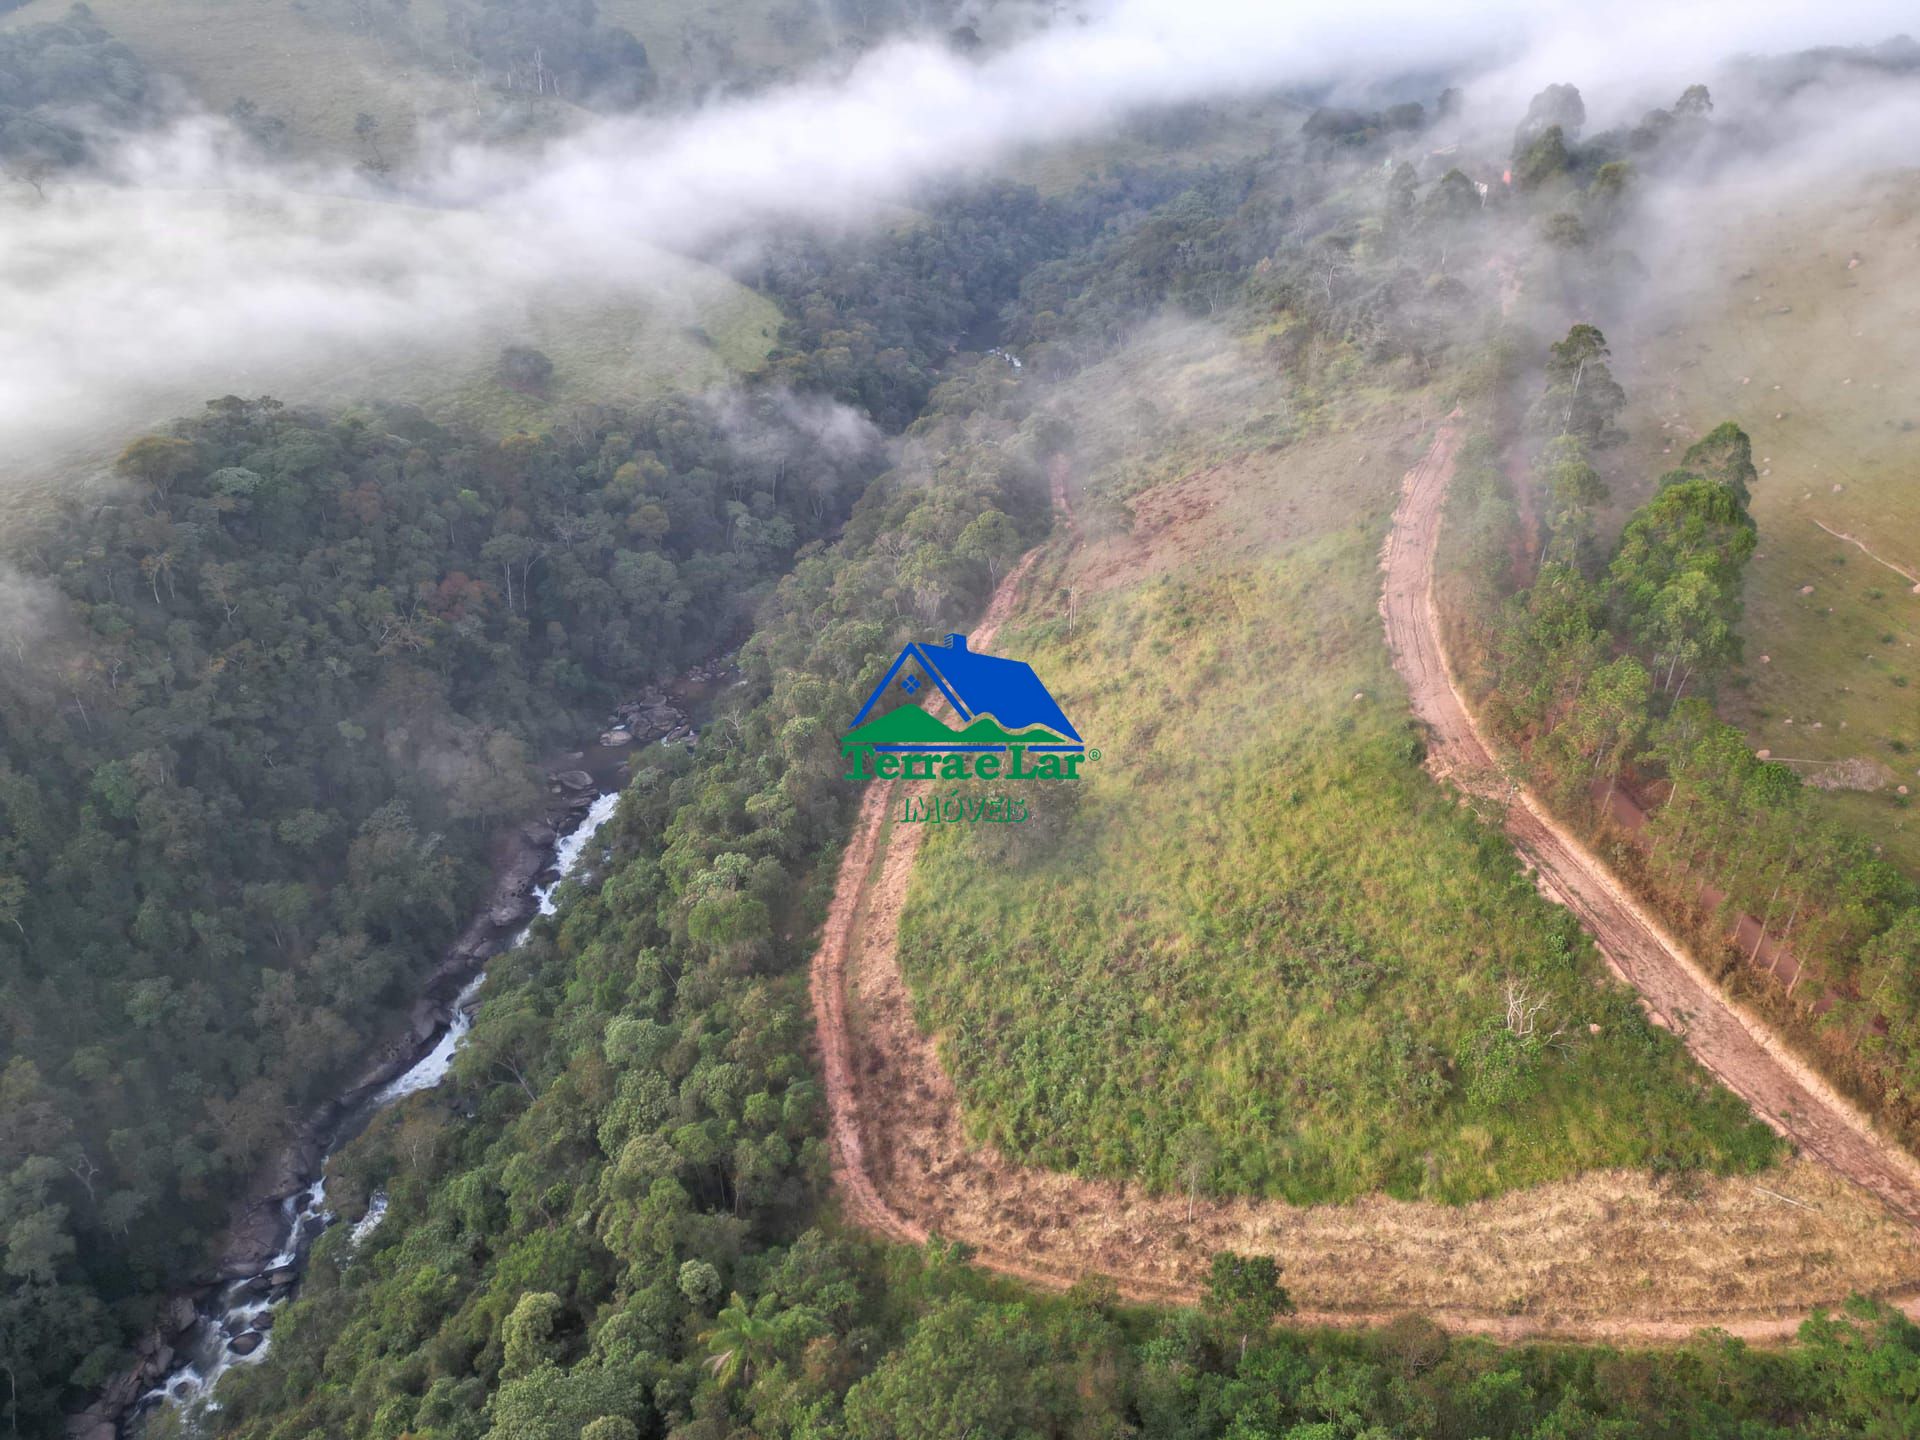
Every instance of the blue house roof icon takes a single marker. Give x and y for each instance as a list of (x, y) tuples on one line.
[(976, 684)]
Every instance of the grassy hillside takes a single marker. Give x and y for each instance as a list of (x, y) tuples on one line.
[(1802, 332), (684, 327), (697, 39), (298, 62), (1259, 917), (318, 65)]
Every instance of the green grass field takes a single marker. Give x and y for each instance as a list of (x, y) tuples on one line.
[(1258, 916), (301, 63), (1803, 332)]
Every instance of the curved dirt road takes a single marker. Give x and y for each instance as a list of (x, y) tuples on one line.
[(1746, 1057), (1610, 1256)]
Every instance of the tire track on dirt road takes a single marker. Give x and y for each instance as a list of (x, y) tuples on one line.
[(1575, 1259)]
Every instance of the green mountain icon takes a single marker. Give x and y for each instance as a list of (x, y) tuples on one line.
[(988, 731), (910, 725), (903, 725)]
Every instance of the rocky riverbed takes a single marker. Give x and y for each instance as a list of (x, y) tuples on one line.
[(226, 1315)]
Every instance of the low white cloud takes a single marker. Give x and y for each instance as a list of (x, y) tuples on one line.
[(190, 273)]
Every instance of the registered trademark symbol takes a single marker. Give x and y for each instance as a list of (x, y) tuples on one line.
[(1093, 754)]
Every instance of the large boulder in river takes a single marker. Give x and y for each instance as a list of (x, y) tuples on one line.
[(251, 1241), (292, 1169), (511, 912), (179, 1317), (574, 780), (246, 1344)]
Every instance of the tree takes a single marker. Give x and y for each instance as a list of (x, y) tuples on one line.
[(550, 1403), (1608, 192), (700, 1283), (1696, 101), (525, 369), (1612, 716), (157, 461), (1549, 642), (13, 900), (1582, 397), (1244, 1295), (992, 539), (1890, 968), (741, 1342), (1401, 185), (1544, 158), (1563, 230), (1676, 577), (968, 1368), (527, 1333), (1724, 455), (366, 129), (1870, 1354), (1558, 107), (1573, 490), (267, 132), (1195, 1153), (1452, 201)]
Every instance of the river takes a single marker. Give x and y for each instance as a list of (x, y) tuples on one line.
[(235, 1326)]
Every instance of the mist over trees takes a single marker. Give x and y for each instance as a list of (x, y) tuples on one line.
[(52, 75)]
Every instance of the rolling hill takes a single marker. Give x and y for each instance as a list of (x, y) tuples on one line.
[(910, 725), (1249, 924)]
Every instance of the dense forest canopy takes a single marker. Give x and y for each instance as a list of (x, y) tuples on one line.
[(273, 698)]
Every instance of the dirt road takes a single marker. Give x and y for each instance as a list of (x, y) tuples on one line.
[(827, 981), (1742, 1052), (1609, 1255)]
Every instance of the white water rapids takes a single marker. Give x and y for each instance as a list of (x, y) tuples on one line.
[(242, 1314)]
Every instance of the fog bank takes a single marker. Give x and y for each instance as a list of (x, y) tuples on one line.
[(190, 271)]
